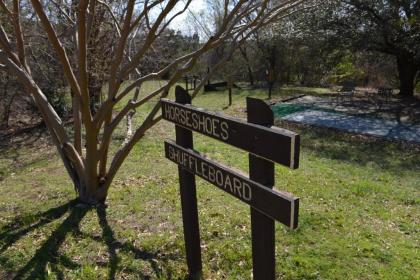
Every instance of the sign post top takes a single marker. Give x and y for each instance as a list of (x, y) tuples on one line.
[(259, 112)]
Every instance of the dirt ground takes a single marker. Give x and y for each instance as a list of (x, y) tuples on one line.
[(24, 116)]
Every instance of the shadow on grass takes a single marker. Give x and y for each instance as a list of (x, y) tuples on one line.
[(22, 225), (49, 251), (114, 245), (48, 257)]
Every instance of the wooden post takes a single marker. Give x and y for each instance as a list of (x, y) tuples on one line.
[(230, 91), (184, 138), (261, 171), (186, 83), (270, 80)]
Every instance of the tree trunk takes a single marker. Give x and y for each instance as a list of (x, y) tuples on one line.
[(7, 97), (93, 198), (91, 190), (272, 69), (6, 111), (95, 96), (407, 72), (250, 76), (130, 115), (248, 65)]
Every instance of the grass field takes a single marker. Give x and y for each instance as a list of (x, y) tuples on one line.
[(359, 212)]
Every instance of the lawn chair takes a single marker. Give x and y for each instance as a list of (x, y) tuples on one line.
[(385, 92)]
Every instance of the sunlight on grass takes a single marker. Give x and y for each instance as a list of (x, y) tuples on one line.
[(359, 216)]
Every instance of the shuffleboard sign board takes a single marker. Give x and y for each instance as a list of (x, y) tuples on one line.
[(274, 144), (280, 206)]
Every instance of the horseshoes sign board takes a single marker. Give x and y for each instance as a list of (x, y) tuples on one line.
[(274, 144)]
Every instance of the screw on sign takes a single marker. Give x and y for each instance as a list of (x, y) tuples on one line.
[(266, 145)]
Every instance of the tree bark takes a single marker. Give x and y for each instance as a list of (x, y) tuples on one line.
[(93, 198), (407, 71)]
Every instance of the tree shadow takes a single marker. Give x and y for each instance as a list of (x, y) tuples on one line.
[(48, 257), (108, 237), (49, 250), (22, 225)]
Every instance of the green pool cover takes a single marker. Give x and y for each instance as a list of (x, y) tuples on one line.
[(284, 109)]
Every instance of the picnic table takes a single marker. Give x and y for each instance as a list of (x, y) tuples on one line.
[(346, 92)]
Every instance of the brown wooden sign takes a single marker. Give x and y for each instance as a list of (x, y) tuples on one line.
[(280, 206), (265, 144), (275, 144)]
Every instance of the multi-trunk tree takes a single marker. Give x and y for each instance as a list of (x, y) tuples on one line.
[(76, 31), (385, 26)]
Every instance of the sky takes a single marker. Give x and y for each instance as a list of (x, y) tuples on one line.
[(181, 22)]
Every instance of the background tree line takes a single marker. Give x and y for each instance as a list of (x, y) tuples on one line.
[(340, 42)]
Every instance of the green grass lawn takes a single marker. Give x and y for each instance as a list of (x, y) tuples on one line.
[(359, 211)]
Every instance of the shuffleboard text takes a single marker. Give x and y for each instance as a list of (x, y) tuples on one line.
[(223, 180)]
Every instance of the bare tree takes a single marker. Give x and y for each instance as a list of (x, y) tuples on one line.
[(93, 169)]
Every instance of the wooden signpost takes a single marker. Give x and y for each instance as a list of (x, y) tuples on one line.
[(266, 145)]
